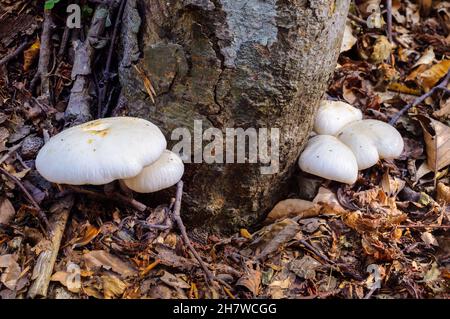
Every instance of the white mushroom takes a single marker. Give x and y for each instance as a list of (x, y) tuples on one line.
[(163, 173), (327, 157), (100, 151), (332, 116), (371, 140)]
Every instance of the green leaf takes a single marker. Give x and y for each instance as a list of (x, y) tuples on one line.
[(49, 4)]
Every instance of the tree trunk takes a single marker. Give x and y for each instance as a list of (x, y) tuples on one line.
[(232, 64)]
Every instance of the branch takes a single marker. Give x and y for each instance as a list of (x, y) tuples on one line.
[(78, 108), (45, 263), (420, 99), (15, 53)]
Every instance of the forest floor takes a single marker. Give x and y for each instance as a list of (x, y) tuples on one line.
[(386, 236)]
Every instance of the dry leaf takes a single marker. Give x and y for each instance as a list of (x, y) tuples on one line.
[(31, 54), (292, 207), (444, 110), (431, 77), (392, 185), (429, 239), (90, 233), (381, 50), (426, 58), (270, 238), (437, 142), (7, 211), (113, 286), (348, 40), (101, 258), (11, 274), (251, 280), (245, 233), (304, 267), (174, 281), (443, 193)]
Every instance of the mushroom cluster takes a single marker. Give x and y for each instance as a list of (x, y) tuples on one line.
[(346, 143), (117, 148)]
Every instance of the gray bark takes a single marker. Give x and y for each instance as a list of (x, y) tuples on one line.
[(234, 63)]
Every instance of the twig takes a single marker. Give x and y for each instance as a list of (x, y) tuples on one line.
[(106, 74), (177, 217), (64, 40), (357, 19), (425, 226), (389, 19), (315, 251), (117, 197), (441, 86), (44, 57), (15, 53), (28, 195), (10, 151), (43, 268)]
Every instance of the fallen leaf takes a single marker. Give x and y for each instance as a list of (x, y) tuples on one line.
[(443, 193), (381, 50), (437, 142), (429, 239), (112, 286), (90, 233), (7, 211), (304, 267), (392, 185), (292, 207), (427, 57), (444, 110), (101, 258), (174, 281), (270, 238), (251, 280), (30, 55), (348, 40), (11, 274), (431, 77), (245, 233)]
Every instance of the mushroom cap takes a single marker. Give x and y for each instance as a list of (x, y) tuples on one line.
[(366, 137), (332, 116), (327, 157), (163, 173), (100, 151)]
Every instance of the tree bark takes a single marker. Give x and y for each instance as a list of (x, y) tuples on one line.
[(233, 63)]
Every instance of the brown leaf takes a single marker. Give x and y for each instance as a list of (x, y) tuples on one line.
[(30, 55), (444, 110), (272, 237), (251, 280), (11, 274), (7, 211), (113, 286), (443, 193), (101, 258), (431, 77), (174, 281), (381, 50), (245, 233), (292, 207), (437, 142), (304, 267), (90, 233)]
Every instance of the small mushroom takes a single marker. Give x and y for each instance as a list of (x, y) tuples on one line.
[(327, 157), (332, 116), (100, 151), (371, 140), (163, 173)]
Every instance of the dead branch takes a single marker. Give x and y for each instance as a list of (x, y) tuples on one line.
[(78, 108), (44, 57), (15, 53), (105, 83), (177, 217), (441, 86), (43, 268)]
